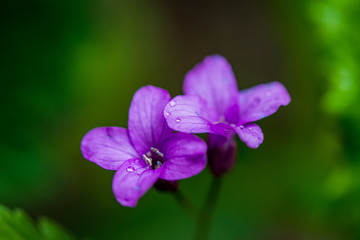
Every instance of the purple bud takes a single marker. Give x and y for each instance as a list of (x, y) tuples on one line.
[(221, 153), (166, 186)]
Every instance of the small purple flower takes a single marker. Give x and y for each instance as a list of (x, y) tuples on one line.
[(147, 152), (212, 103)]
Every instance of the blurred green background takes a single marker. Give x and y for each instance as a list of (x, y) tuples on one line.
[(69, 66)]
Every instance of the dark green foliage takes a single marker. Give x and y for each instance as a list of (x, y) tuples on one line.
[(17, 225)]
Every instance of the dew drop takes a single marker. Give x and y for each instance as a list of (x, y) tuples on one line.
[(178, 120), (167, 114), (241, 126), (197, 113), (172, 103), (130, 169)]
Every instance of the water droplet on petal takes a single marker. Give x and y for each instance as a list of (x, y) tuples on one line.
[(241, 126), (197, 113), (167, 114), (233, 125), (178, 120), (172, 103), (130, 169)]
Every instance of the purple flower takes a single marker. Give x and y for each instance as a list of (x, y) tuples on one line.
[(148, 151), (213, 104)]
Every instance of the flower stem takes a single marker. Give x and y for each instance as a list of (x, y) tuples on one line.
[(202, 231), (184, 202)]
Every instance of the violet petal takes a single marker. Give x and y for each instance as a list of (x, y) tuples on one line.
[(190, 114), (185, 156), (224, 129), (133, 179), (147, 125), (214, 81), (261, 101), (251, 134), (108, 147)]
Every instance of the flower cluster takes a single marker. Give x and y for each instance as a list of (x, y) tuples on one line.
[(149, 151)]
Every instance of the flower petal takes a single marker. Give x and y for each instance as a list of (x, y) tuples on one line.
[(185, 156), (261, 101), (214, 81), (147, 125), (251, 134), (133, 180), (224, 129), (108, 147), (190, 114)]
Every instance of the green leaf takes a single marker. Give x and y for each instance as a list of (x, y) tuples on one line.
[(17, 225), (52, 231)]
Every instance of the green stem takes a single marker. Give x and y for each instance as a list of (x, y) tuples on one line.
[(184, 202), (202, 231)]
